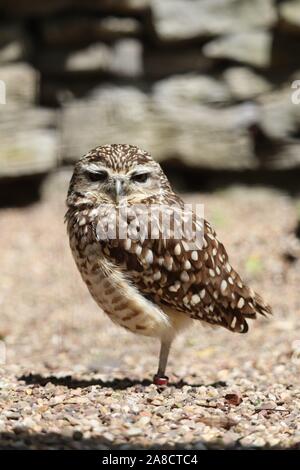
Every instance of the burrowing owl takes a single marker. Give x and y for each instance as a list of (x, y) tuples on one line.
[(150, 280)]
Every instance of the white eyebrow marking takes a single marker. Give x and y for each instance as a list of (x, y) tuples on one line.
[(94, 168), (140, 169)]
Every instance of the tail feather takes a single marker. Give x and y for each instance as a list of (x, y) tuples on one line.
[(260, 306)]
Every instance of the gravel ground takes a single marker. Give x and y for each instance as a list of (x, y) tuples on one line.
[(72, 379)]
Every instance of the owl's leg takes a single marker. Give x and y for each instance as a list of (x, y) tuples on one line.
[(160, 378)]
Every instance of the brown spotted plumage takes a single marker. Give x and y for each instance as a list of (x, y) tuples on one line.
[(151, 281)]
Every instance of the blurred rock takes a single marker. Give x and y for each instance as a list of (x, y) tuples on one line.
[(192, 59), (286, 157), (21, 81), (161, 63), (252, 47), (244, 83), (29, 142), (191, 89), (187, 19), (14, 43), (279, 117), (96, 57), (127, 58), (123, 58), (56, 182), (197, 135), (289, 15), (75, 31)]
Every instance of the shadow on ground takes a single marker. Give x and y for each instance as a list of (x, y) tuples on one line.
[(24, 440), (115, 384)]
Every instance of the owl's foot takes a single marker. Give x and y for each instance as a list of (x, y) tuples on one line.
[(161, 380)]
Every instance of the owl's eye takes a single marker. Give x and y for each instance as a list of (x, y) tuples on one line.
[(97, 176), (140, 177)]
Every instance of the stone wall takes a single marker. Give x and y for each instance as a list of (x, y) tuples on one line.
[(205, 82)]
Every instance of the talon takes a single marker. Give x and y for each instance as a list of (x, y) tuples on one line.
[(161, 381)]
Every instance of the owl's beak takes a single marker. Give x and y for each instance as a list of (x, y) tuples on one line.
[(119, 190)]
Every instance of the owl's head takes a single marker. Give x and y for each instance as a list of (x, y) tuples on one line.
[(115, 173)]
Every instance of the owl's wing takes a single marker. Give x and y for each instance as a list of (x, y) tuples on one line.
[(190, 275)]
